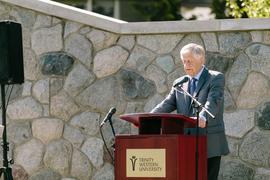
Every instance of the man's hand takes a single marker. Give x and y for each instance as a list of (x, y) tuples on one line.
[(202, 122)]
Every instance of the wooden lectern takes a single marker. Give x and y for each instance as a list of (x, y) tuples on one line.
[(164, 149)]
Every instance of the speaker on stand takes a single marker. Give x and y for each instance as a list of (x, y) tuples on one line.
[(11, 72)]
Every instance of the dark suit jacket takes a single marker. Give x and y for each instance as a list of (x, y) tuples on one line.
[(210, 92)]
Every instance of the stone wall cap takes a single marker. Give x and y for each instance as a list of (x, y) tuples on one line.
[(122, 27), (182, 26), (71, 13)]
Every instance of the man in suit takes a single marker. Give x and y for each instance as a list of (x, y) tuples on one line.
[(208, 88)]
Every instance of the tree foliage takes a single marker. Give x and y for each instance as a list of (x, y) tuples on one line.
[(248, 8), (159, 10), (219, 8)]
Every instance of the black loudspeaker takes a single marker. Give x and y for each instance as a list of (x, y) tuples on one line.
[(11, 53)]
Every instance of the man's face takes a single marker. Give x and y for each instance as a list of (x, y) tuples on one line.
[(192, 64)]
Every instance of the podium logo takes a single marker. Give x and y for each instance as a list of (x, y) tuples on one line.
[(146, 163), (133, 162)]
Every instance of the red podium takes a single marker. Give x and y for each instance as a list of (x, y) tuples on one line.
[(164, 149)]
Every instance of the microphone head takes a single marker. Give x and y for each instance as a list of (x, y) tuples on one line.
[(185, 79), (112, 110), (178, 82)]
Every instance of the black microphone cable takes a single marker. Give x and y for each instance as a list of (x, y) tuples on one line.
[(106, 147), (107, 118)]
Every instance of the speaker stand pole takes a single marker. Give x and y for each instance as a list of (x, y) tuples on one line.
[(6, 170)]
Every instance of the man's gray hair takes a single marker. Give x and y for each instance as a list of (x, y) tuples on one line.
[(195, 49)]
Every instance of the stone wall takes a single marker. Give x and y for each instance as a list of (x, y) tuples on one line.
[(74, 73)]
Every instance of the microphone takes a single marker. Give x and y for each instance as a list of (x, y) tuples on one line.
[(108, 116), (185, 79)]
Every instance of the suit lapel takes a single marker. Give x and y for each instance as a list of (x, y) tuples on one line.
[(183, 100), (202, 80), (185, 87), (186, 102)]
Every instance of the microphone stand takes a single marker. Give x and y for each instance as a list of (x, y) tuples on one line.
[(113, 131), (198, 107), (110, 121), (6, 170), (111, 124)]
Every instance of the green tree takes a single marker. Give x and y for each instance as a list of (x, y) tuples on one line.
[(248, 8), (219, 9), (159, 10)]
